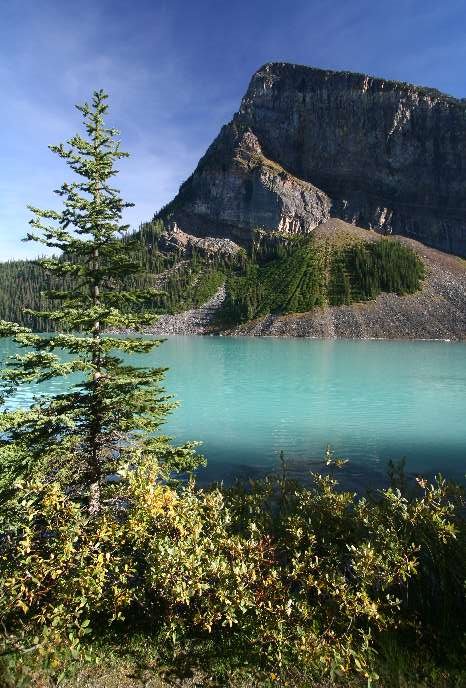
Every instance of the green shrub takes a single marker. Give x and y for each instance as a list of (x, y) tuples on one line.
[(302, 576)]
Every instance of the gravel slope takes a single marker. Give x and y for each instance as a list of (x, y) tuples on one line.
[(195, 321)]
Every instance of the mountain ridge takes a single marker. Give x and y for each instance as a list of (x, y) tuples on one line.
[(383, 155), (262, 184)]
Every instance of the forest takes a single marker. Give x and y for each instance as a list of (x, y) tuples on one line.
[(275, 274), (304, 273)]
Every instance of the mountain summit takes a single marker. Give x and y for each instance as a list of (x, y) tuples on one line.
[(310, 144)]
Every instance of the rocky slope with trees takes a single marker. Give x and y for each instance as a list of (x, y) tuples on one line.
[(437, 310), (314, 154)]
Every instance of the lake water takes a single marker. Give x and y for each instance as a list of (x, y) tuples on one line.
[(248, 399)]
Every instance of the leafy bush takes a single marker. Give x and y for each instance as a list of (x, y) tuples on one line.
[(308, 576)]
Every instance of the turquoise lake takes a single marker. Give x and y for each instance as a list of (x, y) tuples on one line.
[(248, 399)]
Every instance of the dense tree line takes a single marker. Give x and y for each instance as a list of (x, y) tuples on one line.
[(293, 281), (276, 275), (181, 283), (361, 271), (299, 275), (21, 285)]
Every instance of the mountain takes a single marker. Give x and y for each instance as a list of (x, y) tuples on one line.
[(307, 145), (332, 205)]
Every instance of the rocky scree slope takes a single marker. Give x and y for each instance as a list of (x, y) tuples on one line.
[(437, 311), (310, 144)]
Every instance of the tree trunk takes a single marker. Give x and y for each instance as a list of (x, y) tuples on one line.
[(95, 429)]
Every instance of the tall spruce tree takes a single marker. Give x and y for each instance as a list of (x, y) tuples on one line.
[(112, 414)]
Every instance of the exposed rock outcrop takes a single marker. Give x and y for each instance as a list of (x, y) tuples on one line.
[(174, 239), (309, 144)]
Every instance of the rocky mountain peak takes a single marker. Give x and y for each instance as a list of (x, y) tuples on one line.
[(308, 144)]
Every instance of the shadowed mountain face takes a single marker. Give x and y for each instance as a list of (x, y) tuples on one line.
[(309, 144)]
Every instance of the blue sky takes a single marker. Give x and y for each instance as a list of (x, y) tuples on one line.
[(176, 71)]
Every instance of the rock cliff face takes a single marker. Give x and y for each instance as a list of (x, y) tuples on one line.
[(309, 144)]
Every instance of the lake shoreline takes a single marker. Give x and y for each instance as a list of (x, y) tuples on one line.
[(162, 332)]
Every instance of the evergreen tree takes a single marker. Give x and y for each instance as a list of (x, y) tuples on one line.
[(184, 283), (110, 416)]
